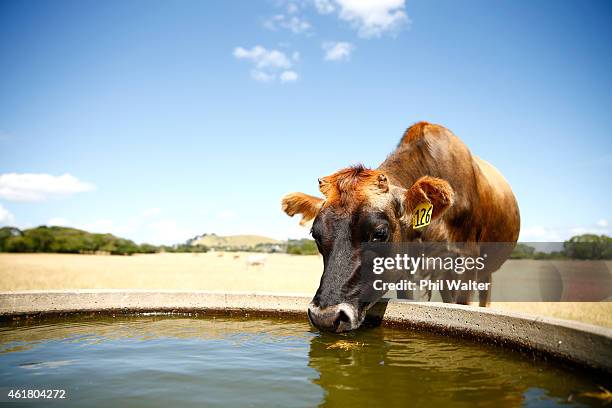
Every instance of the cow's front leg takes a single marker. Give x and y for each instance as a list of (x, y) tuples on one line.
[(484, 296), (464, 297), (405, 294), (375, 314), (446, 293)]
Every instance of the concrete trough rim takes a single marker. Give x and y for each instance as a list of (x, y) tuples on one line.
[(574, 342)]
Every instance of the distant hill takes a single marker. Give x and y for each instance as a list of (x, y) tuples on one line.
[(234, 242)]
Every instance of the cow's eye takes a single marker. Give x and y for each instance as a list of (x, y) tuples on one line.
[(380, 235)]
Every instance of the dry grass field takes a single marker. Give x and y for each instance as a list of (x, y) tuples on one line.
[(217, 271), (214, 271)]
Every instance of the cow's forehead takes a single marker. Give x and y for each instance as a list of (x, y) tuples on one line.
[(353, 187)]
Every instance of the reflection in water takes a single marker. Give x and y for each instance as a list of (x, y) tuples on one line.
[(399, 368), (162, 360)]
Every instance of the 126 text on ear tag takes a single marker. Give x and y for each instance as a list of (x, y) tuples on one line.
[(421, 217)]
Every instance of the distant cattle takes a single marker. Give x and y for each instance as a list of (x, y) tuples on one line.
[(256, 260)]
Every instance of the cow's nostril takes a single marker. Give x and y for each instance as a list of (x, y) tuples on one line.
[(341, 316)]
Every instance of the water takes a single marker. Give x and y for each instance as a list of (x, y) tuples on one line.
[(164, 361)]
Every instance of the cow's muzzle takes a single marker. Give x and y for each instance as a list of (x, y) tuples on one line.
[(338, 318)]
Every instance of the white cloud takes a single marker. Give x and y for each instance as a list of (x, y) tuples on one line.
[(288, 76), (267, 63), (372, 18), (39, 186), (295, 24), (603, 223), (338, 51), (5, 216), (263, 58)]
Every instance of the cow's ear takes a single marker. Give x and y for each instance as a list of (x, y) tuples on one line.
[(300, 203), (430, 190)]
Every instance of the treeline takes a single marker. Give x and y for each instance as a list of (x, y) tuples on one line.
[(586, 246), (302, 247), (75, 241)]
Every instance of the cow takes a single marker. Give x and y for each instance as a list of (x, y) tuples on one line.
[(472, 203), (256, 260)]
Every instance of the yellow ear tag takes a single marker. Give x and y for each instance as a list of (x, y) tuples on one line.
[(421, 217)]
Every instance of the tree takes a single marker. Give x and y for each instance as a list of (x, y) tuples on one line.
[(302, 247), (19, 244), (147, 248), (589, 246), (6, 233)]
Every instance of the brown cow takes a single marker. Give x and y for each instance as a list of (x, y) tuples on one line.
[(472, 203)]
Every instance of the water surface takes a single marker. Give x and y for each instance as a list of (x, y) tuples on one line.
[(170, 361)]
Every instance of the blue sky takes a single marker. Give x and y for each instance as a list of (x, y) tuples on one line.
[(160, 120)]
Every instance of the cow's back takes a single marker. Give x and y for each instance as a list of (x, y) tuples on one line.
[(484, 209)]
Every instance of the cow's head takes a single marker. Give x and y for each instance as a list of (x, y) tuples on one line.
[(359, 205)]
